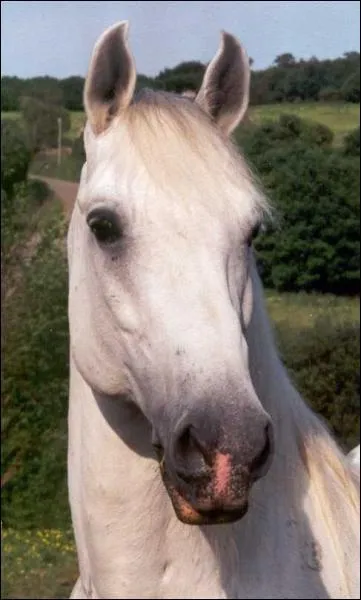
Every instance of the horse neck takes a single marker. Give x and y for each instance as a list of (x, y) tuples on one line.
[(308, 463), (270, 379), (228, 556)]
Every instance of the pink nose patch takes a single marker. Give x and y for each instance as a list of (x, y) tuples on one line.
[(222, 473)]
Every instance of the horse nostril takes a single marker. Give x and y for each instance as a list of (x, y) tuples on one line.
[(189, 455), (259, 463)]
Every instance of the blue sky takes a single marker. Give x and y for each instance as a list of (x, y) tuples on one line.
[(56, 38)]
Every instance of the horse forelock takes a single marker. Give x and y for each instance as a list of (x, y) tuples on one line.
[(176, 148)]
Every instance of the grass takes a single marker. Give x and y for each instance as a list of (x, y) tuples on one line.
[(303, 310), (37, 564), (341, 118)]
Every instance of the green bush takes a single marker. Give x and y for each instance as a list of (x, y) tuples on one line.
[(38, 191), (325, 365), (313, 245), (41, 122), (289, 128), (351, 144), (18, 218), (35, 384), (351, 87), (15, 156), (78, 150)]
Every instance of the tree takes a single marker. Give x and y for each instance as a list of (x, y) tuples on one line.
[(351, 88), (351, 143), (314, 242), (41, 122), (72, 91), (15, 157), (316, 194), (284, 60), (45, 89), (184, 76)]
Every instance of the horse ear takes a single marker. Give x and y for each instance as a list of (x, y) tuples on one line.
[(110, 83), (224, 93)]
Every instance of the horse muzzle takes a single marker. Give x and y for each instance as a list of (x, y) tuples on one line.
[(208, 466)]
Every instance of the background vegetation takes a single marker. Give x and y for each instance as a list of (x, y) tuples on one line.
[(306, 155), (287, 80)]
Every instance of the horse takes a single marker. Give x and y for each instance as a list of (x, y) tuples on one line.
[(195, 468), (354, 457)]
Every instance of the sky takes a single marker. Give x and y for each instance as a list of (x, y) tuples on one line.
[(57, 38)]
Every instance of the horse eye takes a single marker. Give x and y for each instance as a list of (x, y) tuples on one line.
[(255, 231), (104, 225)]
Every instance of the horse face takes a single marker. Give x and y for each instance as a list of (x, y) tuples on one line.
[(161, 288)]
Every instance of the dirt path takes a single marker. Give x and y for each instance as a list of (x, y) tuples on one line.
[(66, 191)]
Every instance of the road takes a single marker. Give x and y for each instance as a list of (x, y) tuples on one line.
[(66, 191)]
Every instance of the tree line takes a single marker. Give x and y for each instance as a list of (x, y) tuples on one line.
[(286, 80)]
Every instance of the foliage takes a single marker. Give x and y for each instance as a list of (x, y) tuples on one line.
[(37, 564), (34, 377), (47, 166), (41, 122), (325, 364), (351, 88), (72, 90), (15, 156), (314, 242), (287, 80), (351, 144), (340, 118), (185, 76), (290, 80), (78, 149)]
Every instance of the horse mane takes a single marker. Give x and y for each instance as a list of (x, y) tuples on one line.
[(325, 462), (186, 155), (332, 484)]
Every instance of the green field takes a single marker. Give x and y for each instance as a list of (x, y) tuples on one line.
[(37, 564), (339, 117), (303, 310)]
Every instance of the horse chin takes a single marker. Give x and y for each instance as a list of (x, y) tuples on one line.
[(189, 515)]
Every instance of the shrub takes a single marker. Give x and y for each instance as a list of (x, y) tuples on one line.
[(325, 365), (351, 87), (330, 94), (35, 385), (41, 121), (351, 144), (314, 244), (15, 156), (78, 150)]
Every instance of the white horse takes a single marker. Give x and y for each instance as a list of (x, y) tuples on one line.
[(195, 468), (354, 457)]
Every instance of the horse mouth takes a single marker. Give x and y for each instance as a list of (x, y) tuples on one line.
[(190, 515), (200, 513)]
